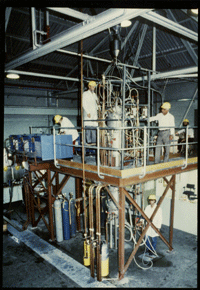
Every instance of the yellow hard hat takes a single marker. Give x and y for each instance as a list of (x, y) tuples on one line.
[(186, 120), (166, 105), (57, 118), (152, 196), (92, 84)]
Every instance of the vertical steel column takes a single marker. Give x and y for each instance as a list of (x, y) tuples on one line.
[(98, 232), (78, 185), (172, 211), (91, 229), (33, 24), (51, 228), (121, 233), (154, 50), (148, 113), (123, 113), (31, 197)]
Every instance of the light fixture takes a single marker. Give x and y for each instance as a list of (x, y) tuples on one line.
[(126, 23), (12, 76), (194, 11)]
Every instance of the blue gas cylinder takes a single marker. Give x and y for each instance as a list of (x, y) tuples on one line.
[(72, 216), (65, 216)]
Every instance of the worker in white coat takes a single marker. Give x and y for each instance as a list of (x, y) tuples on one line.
[(166, 132), (182, 134), (90, 112), (64, 123), (151, 234)]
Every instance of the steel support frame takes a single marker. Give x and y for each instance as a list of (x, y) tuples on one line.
[(122, 194), (31, 201)]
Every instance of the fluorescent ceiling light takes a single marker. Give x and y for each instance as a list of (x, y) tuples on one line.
[(194, 11), (12, 76), (126, 23), (183, 100)]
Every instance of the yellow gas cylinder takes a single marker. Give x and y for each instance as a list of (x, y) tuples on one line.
[(104, 259), (86, 258)]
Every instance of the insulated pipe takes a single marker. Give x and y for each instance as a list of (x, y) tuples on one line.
[(145, 151), (98, 230), (98, 155), (91, 228)]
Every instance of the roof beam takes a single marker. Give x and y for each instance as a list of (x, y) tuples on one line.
[(187, 44), (71, 12), (96, 24), (165, 75), (7, 16), (171, 25)]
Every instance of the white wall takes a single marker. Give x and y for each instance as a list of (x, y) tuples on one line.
[(185, 213)]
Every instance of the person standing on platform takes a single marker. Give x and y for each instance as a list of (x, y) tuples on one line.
[(90, 113), (166, 132), (65, 122)]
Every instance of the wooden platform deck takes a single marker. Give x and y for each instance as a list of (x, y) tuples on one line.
[(118, 177)]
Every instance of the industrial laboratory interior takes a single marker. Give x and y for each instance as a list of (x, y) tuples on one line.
[(100, 147)]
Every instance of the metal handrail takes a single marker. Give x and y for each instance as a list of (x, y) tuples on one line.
[(145, 145)]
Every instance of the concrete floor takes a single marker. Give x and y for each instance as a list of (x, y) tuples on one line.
[(22, 267)]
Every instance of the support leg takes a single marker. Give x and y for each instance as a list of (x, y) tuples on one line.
[(172, 211), (50, 205), (121, 233)]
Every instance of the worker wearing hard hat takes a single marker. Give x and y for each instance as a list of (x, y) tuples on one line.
[(166, 131), (151, 234), (90, 112), (64, 122), (182, 134)]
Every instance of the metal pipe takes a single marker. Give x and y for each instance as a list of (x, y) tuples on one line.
[(91, 228), (54, 147), (33, 26), (186, 150), (98, 155), (148, 111), (145, 148), (154, 50), (172, 210), (116, 226), (98, 231), (123, 116)]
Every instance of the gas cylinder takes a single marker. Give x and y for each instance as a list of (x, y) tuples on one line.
[(72, 216), (104, 259), (86, 258), (58, 219), (65, 217)]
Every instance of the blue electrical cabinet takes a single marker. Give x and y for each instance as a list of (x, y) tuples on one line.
[(44, 148), (41, 146)]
